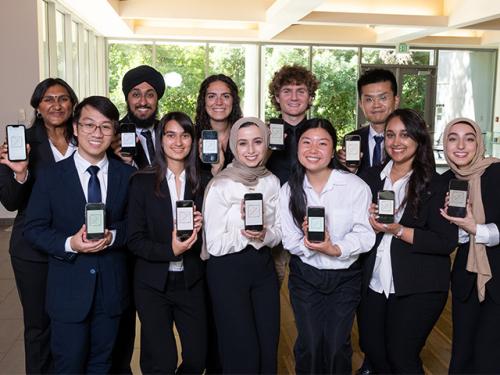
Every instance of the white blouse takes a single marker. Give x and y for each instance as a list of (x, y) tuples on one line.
[(222, 215), (346, 199)]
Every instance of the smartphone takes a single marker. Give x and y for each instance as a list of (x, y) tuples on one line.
[(458, 192), (16, 140), (127, 134), (95, 215), (386, 206), (316, 224), (209, 147), (277, 136), (253, 212), (352, 150), (184, 218)]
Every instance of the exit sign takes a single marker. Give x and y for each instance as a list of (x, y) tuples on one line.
[(402, 48)]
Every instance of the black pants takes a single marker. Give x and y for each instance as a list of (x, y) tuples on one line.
[(324, 303), (31, 281), (245, 300), (158, 311), (393, 331), (476, 336)]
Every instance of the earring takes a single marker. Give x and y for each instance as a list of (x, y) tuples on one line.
[(38, 114)]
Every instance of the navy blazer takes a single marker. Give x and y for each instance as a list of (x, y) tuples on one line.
[(56, 211), (15, 196), (463, 282), (423, 266), (150, 225)]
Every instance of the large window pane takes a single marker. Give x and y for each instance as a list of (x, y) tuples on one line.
[(336, 69), (45, 39), (183, 66), (389, 56), (74, 56), (123, 56), (465, 88), (274, 58), (61, 57)]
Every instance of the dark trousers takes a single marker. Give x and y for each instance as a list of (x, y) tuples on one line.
[(85, 347), (214, 364), (158, 311), (245, 300), (31, 282), (476, 336), (324, 303), (393, 331)]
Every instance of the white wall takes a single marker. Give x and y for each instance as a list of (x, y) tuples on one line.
[(19, 72)]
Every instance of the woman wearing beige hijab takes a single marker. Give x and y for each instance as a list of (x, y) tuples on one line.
[(475, 278), (240, 271)]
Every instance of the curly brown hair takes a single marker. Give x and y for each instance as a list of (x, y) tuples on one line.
[(292, 74)]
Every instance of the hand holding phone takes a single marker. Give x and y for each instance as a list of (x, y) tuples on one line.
[(128, 139), (16, 142), (386, 202), (277, 136), (95, 220), (253, 212), (209, 146), (457, 198), (352, 150), (184, 219), (315, 224)]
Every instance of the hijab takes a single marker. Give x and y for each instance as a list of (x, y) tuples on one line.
[(477, 260)]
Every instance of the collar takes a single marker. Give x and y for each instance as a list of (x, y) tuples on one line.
[(373, 133), (171, 176), (82, 164), (336, 178), (386, 172)]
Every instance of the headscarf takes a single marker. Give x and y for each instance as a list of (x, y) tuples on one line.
[(237, 171), (477, 260)]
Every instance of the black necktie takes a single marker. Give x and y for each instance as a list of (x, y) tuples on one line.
[(94, 188), (149, 142), (377, 150)]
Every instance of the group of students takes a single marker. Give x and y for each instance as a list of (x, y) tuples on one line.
[(220, 286)]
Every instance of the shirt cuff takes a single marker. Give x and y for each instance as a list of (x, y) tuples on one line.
[(67, 246), (113, 237), (25, 178), (487, 234)]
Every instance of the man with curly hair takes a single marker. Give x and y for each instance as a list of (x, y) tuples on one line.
[(292, 91)]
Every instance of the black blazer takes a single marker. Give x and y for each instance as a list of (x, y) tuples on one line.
[(15, 196), (150, 226), (463, 282), (424, 266)]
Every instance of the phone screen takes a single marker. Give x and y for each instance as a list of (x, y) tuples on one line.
[(316, 224), (17, 142), (458, 198), (184, 218), (386, 206), (210, 146), (276, 134), (253, 212), (95, 221), (128, 139), (352, 150)]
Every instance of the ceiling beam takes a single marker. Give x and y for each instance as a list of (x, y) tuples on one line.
[(327, 34), (284, 13), (144, 31), (400, 35), (468, 12)]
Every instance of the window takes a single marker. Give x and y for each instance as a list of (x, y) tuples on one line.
[(61, 48)]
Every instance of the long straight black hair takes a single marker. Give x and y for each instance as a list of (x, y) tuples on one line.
[(160, 163), (423, 164), (298, 199)]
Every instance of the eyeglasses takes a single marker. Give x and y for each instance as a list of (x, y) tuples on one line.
[(53, 99), (106, 128)]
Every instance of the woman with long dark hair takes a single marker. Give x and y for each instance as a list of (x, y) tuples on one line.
[(50, 139), (240, 271), (325, 276), (169, 274), (218, 108), (407, 273), (475, 286)]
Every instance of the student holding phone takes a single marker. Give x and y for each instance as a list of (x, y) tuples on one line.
[(406, 274), (49, 139), (217, 109), (240, 270), (163, 226), (474, 280), (87, 279), (325, 276)]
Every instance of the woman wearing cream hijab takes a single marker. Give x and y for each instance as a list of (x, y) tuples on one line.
[(475, 279)]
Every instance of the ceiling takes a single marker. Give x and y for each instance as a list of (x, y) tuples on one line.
[(456, 23)]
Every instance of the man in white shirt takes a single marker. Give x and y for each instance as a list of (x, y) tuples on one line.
[(87, 280)]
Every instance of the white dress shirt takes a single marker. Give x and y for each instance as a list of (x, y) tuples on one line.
[(174, 197), (346, 199), (371, 142), (382, 280), (223, 220), (486, 234), (57, 154), (142, 139), (84, 176)]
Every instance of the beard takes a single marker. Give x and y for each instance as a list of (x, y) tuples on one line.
[(142, 123)]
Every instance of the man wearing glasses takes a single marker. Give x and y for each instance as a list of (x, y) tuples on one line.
[(87, 287)]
